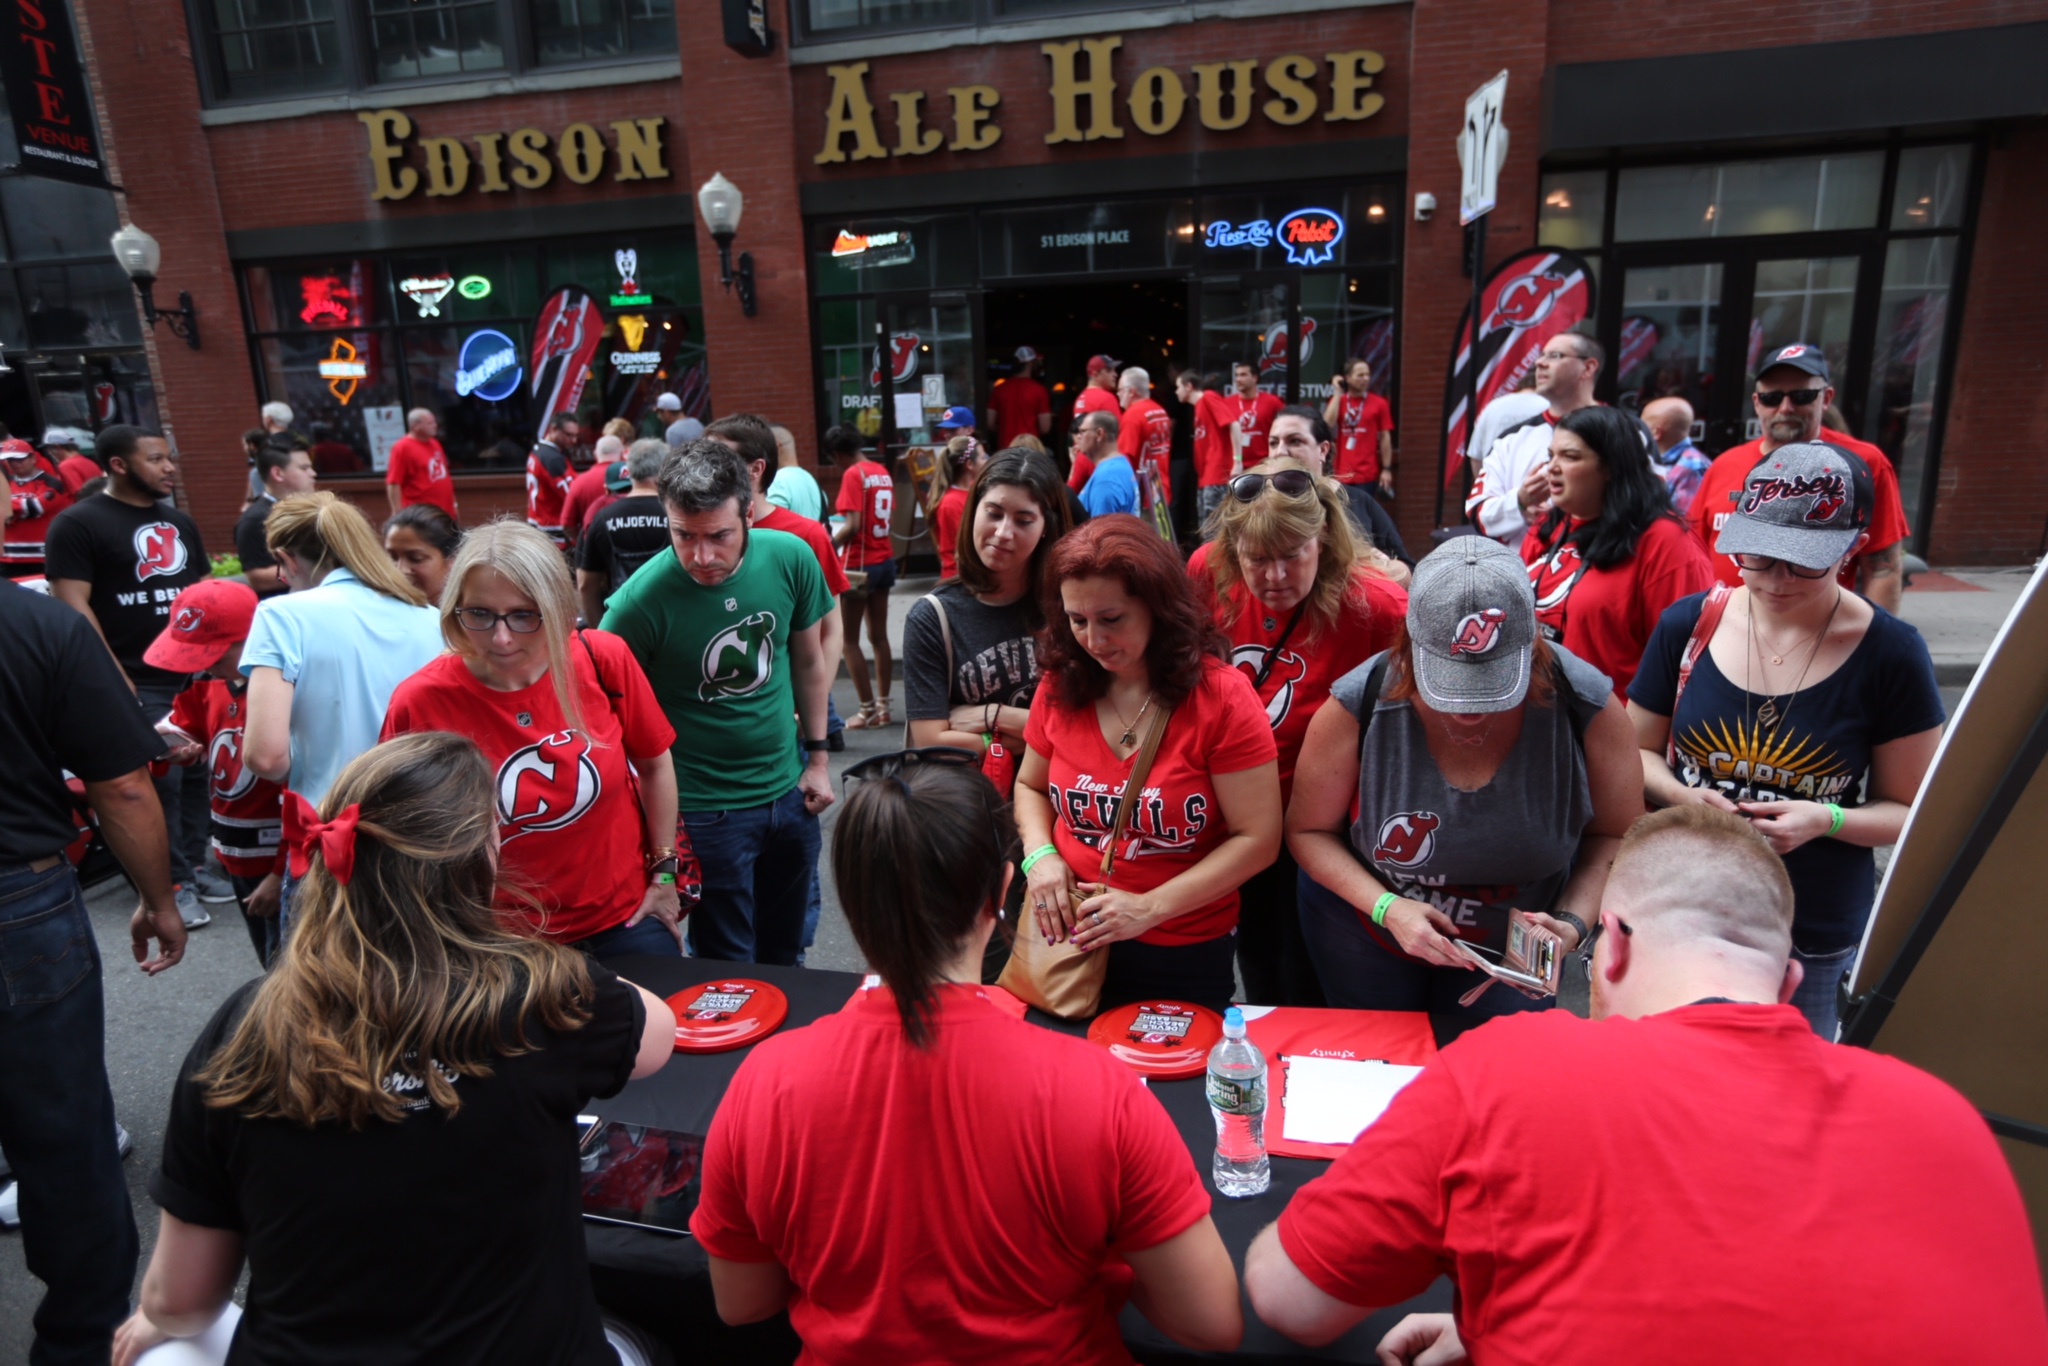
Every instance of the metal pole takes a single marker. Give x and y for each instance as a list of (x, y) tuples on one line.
[(1472, 362)]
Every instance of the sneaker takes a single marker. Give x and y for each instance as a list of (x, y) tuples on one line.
[(211, 886), (10, 1205), (190, 911), (123, 1144)]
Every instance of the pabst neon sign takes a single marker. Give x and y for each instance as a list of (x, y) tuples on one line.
[(1308, 236)]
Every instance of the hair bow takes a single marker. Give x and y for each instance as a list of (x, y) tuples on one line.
[(304, 832)]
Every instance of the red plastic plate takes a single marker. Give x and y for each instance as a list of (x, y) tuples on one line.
[(1168, 1040), (714, 1017)]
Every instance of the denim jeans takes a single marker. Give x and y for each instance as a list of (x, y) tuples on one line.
[(1272, 957), (1816, 998), (649, 936), (263, 930), (757, 863), (57, 1117), (183, 793)]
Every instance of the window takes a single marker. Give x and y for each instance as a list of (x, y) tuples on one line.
[(275, 47), (828, 20), (1748, 198), (418, 38), (584, 30)]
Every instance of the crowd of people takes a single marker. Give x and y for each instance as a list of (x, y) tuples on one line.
[(448, 772)]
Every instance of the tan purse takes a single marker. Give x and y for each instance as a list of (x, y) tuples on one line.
[(1060, 979)]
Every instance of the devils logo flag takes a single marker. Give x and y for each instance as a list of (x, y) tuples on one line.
[(1530, 298), (566, 333)]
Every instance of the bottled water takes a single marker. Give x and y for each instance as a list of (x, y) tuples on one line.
[(1237, 1097)]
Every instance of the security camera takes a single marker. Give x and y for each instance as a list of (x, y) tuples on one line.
[(1425, 207)]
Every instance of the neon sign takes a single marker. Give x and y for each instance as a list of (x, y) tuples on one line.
[(324, 298), (634, 361), (487, 367), (1309, 236), (342, 371), (473, 287), (629, 294), (427, 291)]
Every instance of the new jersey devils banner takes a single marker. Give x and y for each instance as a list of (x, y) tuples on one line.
[(1530, 298), (565, 337)]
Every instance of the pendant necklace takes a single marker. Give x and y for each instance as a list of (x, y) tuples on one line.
[(1767, 715), (1131, 726)]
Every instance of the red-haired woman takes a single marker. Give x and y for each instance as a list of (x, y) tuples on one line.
[(1126, 636)]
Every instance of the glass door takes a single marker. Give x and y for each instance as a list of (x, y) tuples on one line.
[(1250, 320), (1670, 339)]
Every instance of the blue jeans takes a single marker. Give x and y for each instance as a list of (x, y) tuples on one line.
[(57, 1117), (649, 936), (1816, 997), (183, 793), (1358, 974), (757, 863)]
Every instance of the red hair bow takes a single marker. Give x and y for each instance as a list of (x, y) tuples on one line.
[(304, 832)]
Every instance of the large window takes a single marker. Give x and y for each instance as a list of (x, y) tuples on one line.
[(827, 20), (282, 49)]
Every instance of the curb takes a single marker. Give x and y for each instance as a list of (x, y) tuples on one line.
[(1955, 673)]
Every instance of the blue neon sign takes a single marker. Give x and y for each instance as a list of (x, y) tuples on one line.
[(487, 367), (1308, 236)]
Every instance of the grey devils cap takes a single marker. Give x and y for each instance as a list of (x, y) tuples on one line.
[(1805, 504), (1472, 626)]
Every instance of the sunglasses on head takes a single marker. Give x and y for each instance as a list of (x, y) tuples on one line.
[(1764, 564), (885, 766), (1290, 484), (1771, 398)]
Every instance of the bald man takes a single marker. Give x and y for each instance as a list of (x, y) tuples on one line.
[(1690, 1176), (1680, 462), (417, 471)]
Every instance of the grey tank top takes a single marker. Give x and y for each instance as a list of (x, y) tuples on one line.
[(1476, 855)]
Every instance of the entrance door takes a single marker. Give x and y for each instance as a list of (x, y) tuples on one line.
[(1250, 320)]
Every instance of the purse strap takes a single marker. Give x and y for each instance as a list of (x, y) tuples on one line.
[(1711, 611), (945, 634), (1140, 771)]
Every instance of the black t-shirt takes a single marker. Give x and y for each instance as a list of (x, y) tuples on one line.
[(63, 705), (995, 655), (1371, 520), (250, 547), (1817, 751), (622, 537), (137, 561), (437, 1239)]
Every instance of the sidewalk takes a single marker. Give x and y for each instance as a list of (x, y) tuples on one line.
[(1958, 611)]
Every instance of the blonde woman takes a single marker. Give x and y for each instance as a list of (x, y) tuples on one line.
[(384, 1127), (588, 842), (1288, 580)]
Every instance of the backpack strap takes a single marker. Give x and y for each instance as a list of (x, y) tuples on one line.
[(1374, 681), (945, 634), (598, 672)]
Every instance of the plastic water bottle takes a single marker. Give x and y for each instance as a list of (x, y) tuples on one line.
[(1237, 1097)]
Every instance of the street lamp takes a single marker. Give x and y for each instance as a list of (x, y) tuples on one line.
[(140, 256), (720, 201)]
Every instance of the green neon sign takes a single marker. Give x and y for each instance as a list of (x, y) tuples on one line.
[(473, 287)]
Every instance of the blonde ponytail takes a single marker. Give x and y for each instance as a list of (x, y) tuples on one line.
[(325, 533)]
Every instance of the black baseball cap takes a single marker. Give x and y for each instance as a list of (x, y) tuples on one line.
[(1800, 356)]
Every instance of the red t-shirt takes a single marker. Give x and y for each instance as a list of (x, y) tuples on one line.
[(868, 490), (1093, 398), (946, 519), (1146, 434), (548, 477), (1299, 682), (1212, 440), (586, 491), (968, 1202), (1605, 616), (1252, 416), (1722, 484), (420, 470), (1081, 471), (1735, 1190), (775, 517), (247, 811), (568, 811), (77, 470), (1018, 402), (1221, 728), (37, 478), (1359, 424)]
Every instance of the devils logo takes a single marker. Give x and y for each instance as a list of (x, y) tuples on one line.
[(159, 551), (1478, 632), (547, 786), (740, 660), (1290, 669), (224, 768), (1407, 839)]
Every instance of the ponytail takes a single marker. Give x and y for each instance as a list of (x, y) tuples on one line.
[(324, 533)]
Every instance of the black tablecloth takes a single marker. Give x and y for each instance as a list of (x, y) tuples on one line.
[(663, 1282)]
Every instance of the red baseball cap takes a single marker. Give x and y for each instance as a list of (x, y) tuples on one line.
[(14, 448), (1097, 364), (206, 619)]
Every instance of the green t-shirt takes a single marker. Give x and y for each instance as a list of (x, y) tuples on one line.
[(718, 659)]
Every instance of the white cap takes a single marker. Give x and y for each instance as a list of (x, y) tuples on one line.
[(669, 403)]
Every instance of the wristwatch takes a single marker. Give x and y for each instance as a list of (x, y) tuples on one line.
[(817, 746), (1568, 918), (663, 871)]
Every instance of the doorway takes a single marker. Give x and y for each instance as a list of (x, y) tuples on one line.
[(1136, 322)]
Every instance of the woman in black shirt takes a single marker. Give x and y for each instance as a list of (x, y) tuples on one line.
[(384, 1125)]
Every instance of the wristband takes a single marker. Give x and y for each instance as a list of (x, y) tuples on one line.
[(987, 739), (1379, 908), (664, 879), (1034, 856), (1834, 819)]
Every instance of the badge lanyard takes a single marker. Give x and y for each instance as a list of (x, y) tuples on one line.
[(1273, 654)]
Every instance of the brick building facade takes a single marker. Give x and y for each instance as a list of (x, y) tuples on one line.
[(1735, 174)]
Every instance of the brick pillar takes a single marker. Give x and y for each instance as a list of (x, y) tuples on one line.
[(1455, 46), (147, 95), (739, 120)]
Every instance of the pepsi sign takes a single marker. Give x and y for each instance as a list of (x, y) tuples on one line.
[(487, 367)]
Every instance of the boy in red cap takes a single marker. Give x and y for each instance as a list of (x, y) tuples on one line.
[(209, 623)]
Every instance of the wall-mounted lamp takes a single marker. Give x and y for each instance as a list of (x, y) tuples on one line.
[(720, 201), (140, 256)]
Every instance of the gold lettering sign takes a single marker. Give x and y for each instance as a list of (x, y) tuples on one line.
[(1082, 83), (497, 162)]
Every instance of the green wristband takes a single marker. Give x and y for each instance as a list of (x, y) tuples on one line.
[(1379, 908), (1834, 819), (1034, 856)]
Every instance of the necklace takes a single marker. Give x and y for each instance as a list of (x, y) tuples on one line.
[(1767, 714), (1130, 726)]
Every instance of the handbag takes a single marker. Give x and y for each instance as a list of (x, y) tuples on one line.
[(998, 762), (1060, 979)]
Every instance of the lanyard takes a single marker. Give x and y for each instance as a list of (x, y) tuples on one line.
[(1273, 654)]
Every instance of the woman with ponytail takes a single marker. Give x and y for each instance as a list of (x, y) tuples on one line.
[(384, 1126), (964, 459), (923, 1147)]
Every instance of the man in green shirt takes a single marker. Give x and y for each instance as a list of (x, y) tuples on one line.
[(727, 630)]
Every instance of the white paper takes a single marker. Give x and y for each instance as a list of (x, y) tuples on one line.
[(1334, 1100), (909, 412), (383, 427)]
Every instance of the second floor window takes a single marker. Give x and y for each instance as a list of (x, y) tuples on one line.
[(275, 47), (416, 38)]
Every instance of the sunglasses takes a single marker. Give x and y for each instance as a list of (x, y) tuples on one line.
[(1246, 488), (480, 620), (1771, 398), (885, 766), (1764, 564)]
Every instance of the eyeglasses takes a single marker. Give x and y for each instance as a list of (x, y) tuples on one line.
[(1764, 564), (1246, 488), (481, 620), (1771, 398)]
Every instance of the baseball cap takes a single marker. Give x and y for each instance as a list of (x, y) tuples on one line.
[(14, 448), (1804, 503), (1472, 626), (1025, 355), (957, 416), (1800, 356), (66, 436), (206, 619), (616, 480), (669, 403), (1097, 364), (683, 429)]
